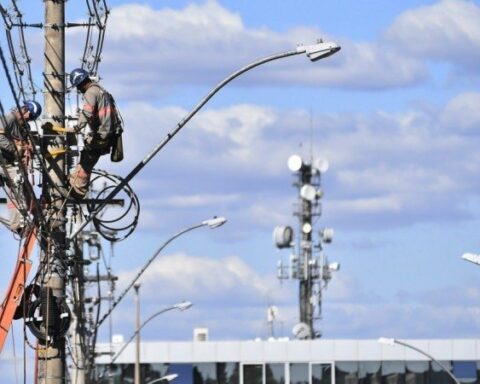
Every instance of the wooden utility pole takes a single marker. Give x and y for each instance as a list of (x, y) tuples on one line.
[(51, 357)]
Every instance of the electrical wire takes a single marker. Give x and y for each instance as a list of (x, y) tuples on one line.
[(131, 208)]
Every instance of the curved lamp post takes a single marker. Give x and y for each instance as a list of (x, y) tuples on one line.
[(391, 341), (166, 378), (211, 223), (314, 52), (184, 305)]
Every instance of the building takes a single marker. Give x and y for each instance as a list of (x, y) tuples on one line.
[(319, 361)]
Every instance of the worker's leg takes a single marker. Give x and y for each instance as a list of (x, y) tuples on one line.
[(80, 177)]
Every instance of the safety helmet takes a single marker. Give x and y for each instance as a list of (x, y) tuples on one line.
[(34, 108), (78, 76)]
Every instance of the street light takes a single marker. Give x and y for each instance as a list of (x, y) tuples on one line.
[(314, 52), (182, 306), (472, 257), (211, 223), (166, 378), (136, 286), (392, 341)]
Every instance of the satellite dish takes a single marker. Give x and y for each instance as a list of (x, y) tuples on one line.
[(327, 235), (308, 192), (306, 228), (283, 236), (295, 163), (321, 165), (302, 331)]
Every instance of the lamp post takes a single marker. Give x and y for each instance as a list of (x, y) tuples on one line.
[(137, 336), (392, 341), (211, 223), (314, 52), (182, 306)]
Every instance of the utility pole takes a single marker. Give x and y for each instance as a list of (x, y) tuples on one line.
[(51, 356)]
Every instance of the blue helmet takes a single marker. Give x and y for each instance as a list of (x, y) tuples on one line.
[(34, 108), (78, 76)]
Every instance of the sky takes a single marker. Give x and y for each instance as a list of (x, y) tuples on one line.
[(395, 112)]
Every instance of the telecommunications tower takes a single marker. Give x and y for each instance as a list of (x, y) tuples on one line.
[(307, 262)]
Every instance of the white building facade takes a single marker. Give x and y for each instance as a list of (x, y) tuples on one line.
[(318, 361)]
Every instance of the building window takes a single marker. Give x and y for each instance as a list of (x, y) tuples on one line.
[(393, 372), (275, 373), (253, 373), (184, 372), (151, 372), (370, 372), (417, 372), (215, 373), (465, 371), (321, 373), (299, 373), (438, 374), (346, 372)]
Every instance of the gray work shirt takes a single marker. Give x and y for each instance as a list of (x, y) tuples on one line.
[(10, 130), (97, 111)]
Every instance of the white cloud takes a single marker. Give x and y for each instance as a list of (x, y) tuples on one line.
[(411, 166), (201, 200), (202, 280), (462, 114), (201, 43), (447, 31), (229, 288)]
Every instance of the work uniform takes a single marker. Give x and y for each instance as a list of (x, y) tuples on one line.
[(97, 113), (12, 138)]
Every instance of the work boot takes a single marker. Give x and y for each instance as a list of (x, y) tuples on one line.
[(79, 180)]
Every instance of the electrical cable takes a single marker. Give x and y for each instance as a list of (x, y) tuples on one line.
[(132, 208)]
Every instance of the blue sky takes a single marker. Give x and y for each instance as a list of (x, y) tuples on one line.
[(395, 112)]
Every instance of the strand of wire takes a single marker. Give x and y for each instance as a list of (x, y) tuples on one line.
[(98, 15), (21, 59)]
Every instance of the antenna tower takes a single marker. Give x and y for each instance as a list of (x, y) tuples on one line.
[(307, 263)]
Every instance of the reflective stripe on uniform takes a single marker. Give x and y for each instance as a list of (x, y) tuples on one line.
[(105, 111)]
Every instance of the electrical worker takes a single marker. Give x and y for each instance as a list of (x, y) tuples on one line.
[(100, 114), (13, 140)]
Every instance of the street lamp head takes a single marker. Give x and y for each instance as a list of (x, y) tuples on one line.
[(473, 258), (164, 379), (183, 305), (386, 340), (320, 50), (215, 222)]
